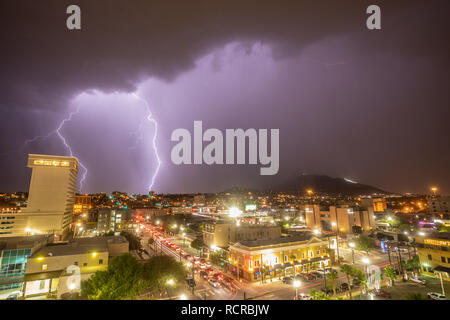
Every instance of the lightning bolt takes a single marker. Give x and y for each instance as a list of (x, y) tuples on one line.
[(64, 141), (58, 132), (155, 149)]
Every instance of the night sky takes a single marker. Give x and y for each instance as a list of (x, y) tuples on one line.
[(372, 106)]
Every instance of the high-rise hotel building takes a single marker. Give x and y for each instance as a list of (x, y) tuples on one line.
[(50, 200)]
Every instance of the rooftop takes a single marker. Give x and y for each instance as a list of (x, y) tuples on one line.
[(79, 246), (23, 242), (282, 240)]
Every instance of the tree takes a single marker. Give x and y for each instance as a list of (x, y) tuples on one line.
[(445, 228), (133, 240), (389, 272), (332, 276), (122, 280), (218, 256), (361, 276), (414, 296), (197, 244), (319, 295), (348, 271), (158, 270), (364, 243), (151, 241), (414, 263)]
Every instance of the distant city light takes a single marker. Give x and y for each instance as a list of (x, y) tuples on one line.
[(234, 212)]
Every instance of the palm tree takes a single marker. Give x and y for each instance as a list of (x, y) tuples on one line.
[(332, 276), (389, 272), (348, 271), (293, 257)]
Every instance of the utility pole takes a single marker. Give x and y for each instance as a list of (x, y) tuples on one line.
[(442, 284), (400, 259), (389, 253)]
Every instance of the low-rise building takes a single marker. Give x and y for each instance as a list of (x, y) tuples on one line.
[(344, 219), (434, 254), (58, 269), (14, 255), (223, 232), (111, 219), (259, 260), (377, 204)]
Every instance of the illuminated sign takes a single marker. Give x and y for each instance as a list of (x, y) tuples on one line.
[(53, 163), (434, 242), (250, 207)]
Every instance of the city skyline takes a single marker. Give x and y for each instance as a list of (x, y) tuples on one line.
[(367, 105)]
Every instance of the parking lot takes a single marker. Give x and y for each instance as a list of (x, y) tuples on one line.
[(401, 289)]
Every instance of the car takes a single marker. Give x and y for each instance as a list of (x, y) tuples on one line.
[(189, 257), (322, 271), (436, 296), (382, 293), (213, 283), (308, 276), (203, 274), (344, 286), (327, 291), (218, 276), (288, 280), (209, 270), (330, 270), (303, 296), (202, 260), (312, 276), (418, 280), (317, 274), (13, 296)]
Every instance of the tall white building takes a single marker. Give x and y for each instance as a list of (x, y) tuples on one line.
[(50, 200)]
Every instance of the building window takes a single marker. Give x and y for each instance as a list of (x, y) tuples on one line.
[(430, 257), (318, 252), (85, 264), (75, 263), (286, 258), (448, 260), (303, 255), (443, 259), (44, 267)]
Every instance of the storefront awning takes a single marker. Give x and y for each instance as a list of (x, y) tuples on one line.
[(442, 269), (43, 275)]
